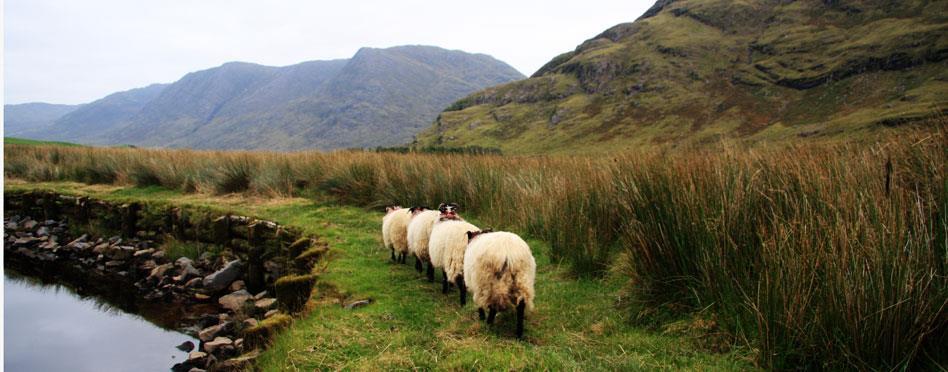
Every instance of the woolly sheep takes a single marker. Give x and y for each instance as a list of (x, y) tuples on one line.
[(419, 231), (446, 248), (395, 232), (499, 271)]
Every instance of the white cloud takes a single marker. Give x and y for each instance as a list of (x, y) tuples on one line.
[(75, 52)]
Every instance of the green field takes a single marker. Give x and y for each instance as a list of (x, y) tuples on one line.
[(25, 141), (578, 324)]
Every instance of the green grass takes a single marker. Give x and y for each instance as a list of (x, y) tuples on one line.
[(657, 83), (25, 141), (577, 324), (763, 241)]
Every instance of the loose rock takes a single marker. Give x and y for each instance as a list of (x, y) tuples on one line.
[(235, 301), (218, 342), (223, 277), (186, 346)]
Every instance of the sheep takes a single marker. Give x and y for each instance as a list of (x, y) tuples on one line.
[(446, 248), (395, 232), (419, 231), (499, 271)]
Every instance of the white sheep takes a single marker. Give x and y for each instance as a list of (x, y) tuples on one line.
[(395, 232), (446, 248), (499, 271), (419, 231)]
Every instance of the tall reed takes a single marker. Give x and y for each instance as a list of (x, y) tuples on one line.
[(819, 256)]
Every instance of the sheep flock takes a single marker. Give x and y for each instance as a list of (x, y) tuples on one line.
[(497, 268)]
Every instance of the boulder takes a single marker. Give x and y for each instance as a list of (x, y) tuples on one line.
[(237, 285), (100, 248), (42, 231), (159, 271), (196, 357), (219, 342), (148, 265), (235, 301), (265, 303), (187, 271), (358, 304), (223, 277), (209, 333), (194, 283), (144, 252), (29, 224), (120, 252), (186, 346)]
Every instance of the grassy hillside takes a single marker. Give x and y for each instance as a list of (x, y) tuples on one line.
[(25, 141), (691, 72), (411, 325), (824, 256)]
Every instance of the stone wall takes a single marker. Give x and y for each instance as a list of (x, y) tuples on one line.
[(232, 293)]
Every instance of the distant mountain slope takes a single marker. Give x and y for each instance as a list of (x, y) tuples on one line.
[(26, 118), (88, 122), (691, 71), (379, 97)]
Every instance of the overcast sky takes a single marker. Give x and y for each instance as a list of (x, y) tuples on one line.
[(78, 51)]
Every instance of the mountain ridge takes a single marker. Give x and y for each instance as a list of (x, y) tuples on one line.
[(379, 97)]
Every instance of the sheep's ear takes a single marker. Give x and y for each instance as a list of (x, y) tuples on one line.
[(457, 207), (389, 209), (470, 235), (487, 230), (441, 207)]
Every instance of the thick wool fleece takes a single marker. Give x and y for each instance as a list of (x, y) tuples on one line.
[(395, 230), (447, 245), (499, 271), (419, 231)]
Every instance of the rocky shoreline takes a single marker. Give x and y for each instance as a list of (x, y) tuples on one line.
[(209, 297)]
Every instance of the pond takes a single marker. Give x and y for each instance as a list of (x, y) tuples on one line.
[(48, 327)]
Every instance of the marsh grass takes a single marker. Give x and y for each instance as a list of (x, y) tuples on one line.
[(823, 256)]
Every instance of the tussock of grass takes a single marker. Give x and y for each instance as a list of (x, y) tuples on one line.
[(292, 291), (260, 334)]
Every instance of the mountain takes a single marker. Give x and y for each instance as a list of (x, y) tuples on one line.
[(110, 113), (695, 71), (379, 97), (24, 119)]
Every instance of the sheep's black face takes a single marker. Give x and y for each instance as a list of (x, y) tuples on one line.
[(473, 234), (448, 211), (417, 209)]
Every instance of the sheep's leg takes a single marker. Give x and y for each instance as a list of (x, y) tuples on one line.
[(480, 313), (430, 271), (520, 308), (444, 282), (418, 264), (401, 258), (491, 315), (393, 256), (462, 288)]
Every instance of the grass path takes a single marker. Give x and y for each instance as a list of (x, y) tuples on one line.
[(578, 324)]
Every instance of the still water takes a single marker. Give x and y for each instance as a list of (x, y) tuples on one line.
[(50, 328)]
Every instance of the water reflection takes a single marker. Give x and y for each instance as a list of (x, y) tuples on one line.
[(49, 327)]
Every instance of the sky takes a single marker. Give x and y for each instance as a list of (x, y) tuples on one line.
[(78, 51)]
